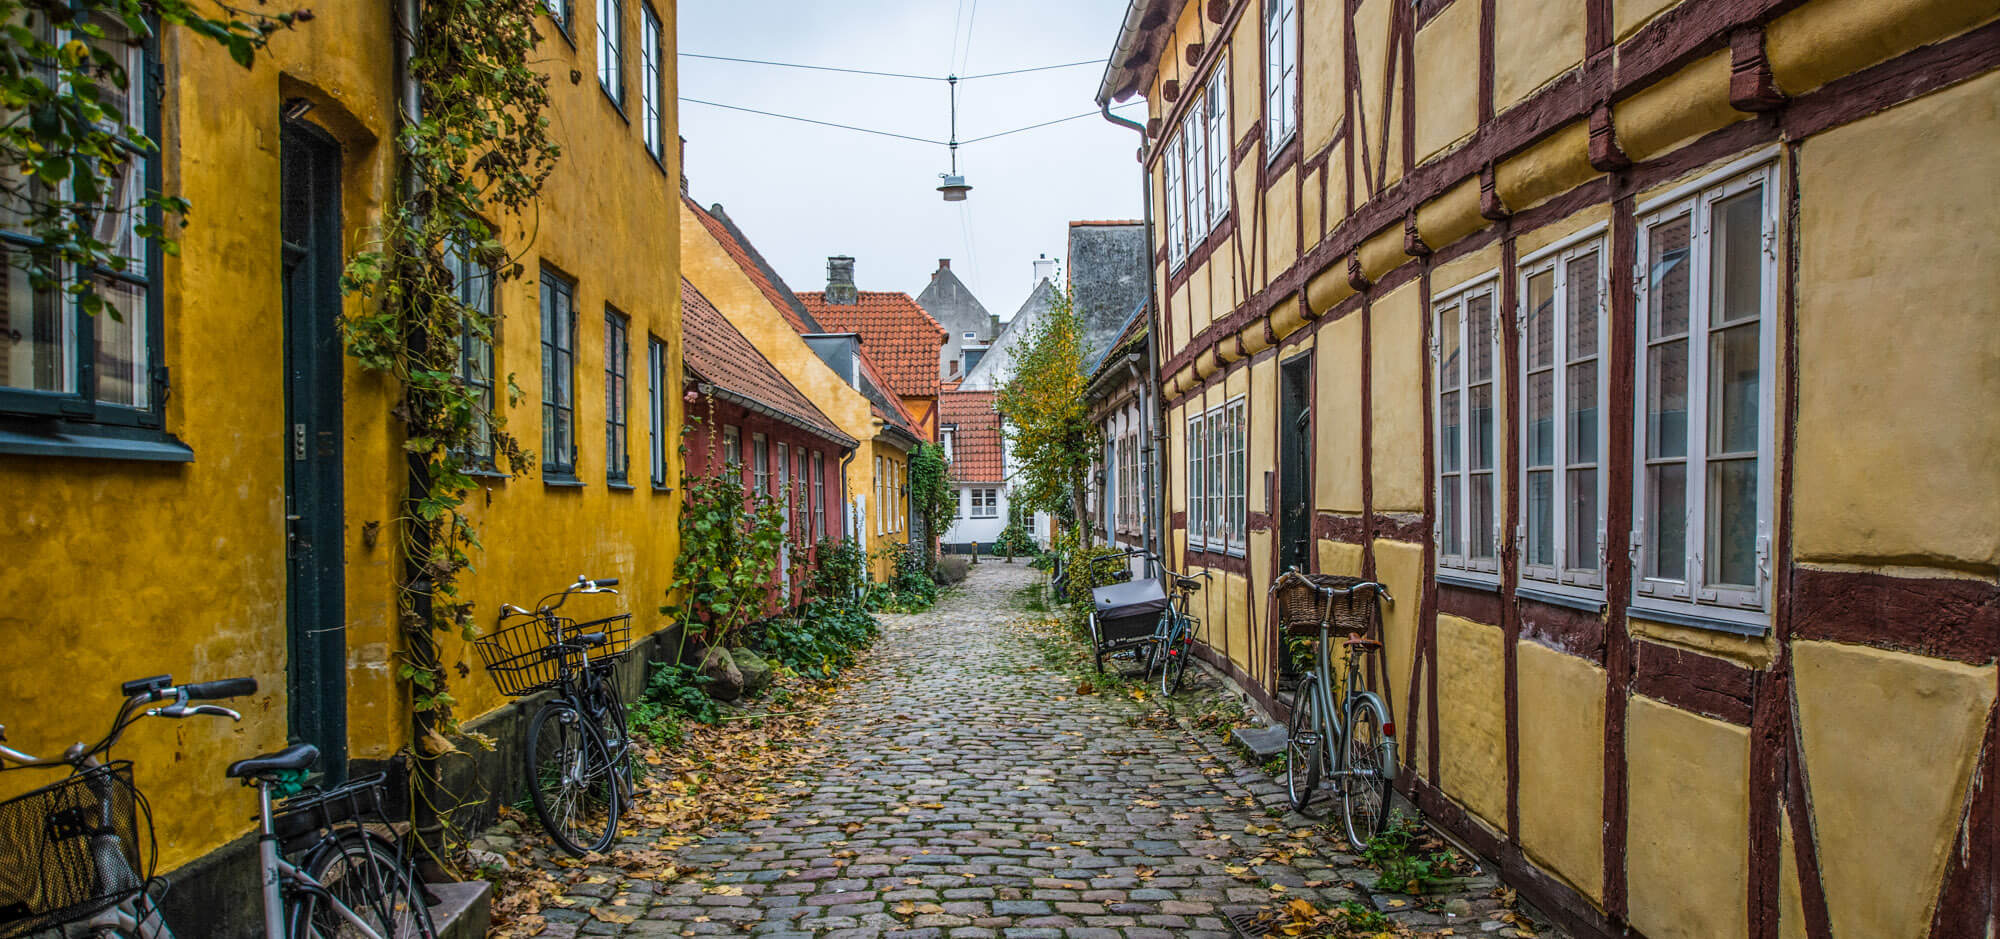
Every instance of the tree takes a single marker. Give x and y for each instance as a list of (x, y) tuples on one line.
[(1046, 419), (933, 496)]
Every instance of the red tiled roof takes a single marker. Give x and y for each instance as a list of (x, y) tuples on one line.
[(895, 413), (719, 354), (975, 448), (896, 334), (746, 257)]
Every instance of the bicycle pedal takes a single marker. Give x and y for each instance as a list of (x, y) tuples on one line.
[(1307, 740)]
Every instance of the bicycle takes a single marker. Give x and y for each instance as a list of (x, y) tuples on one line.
[(578, 759), (1352, 746), (74, 864), (1173, 641)]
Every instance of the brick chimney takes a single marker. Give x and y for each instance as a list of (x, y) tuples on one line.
[(840, 281)]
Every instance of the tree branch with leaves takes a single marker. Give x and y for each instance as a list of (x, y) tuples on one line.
[(1046, 419)]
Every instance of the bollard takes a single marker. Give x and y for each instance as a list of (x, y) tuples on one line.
[(975, 552)]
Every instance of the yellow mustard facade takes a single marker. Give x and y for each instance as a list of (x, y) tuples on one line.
[(124, 568), (1649, 346)]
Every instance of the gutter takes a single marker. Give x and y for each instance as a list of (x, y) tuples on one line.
[(1156, 505)]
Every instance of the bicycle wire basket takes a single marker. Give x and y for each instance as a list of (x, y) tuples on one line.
[(324, 812), (522, 657), (58, 863), (1300, 606)]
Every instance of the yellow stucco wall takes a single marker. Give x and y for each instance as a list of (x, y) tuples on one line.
[(1891, 741), (1337, 415), (1472, 717), (1689, 819), (1872, 485), (1562, 765), (1533, 43), (1396, 399), (1446, 46)]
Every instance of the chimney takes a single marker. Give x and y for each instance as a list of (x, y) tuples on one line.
[(944, 264), (1045, 268), (840, 281), (684, 166)]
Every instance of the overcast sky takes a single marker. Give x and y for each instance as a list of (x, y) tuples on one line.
[(803, 192)]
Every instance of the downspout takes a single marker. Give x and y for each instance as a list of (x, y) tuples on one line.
[(1156, 506), (426, 789), (1148, 541)]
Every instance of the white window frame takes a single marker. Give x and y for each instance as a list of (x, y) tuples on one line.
[(1216, 108), (1196, 487), (760, 470), (1563, 576), (1236, 471), (819, 495), (1281, 73), (732, 448), (1218, 475), (652, 86), (1482, 569), (1691, 602), (1194, 130), (985, 503), (1176, 199)]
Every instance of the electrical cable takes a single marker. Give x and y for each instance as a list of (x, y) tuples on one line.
[(880, 74), (1059, 120), (965, 58), (808, 120), (1038, 68)]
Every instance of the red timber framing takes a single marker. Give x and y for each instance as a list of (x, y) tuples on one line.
[(1956, 620)]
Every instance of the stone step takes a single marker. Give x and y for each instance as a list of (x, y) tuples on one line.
[(1262, 743), (464, 909)]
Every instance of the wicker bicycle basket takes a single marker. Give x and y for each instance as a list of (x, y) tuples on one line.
[(522, 657), (1300, 606), (51, 870)]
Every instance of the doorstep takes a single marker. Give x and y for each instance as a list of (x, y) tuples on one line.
[(464, 910)]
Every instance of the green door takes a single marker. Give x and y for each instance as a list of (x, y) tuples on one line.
[(1295, 456), (314, 598)]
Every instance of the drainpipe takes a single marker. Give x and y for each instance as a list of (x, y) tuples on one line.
[(1150, 542), (1156, 506), (847, 509), (425, 789)]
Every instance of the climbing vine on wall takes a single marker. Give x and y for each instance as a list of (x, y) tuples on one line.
[(932, 495), (477, 149)]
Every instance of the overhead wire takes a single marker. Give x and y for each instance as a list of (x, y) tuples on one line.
[(886, 133), (881, 74)]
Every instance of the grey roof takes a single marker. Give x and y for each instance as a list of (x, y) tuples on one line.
[(997, 366)]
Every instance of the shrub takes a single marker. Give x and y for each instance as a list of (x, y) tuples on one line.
[(952, 568), (1015, 543), (842, 572), (910, 589), (820, 641), (673, 694)]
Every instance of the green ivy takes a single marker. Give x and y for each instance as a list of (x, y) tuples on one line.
[(728, 562), (933, 497)]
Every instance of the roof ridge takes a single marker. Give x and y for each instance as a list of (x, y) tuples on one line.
[(764, 265), (827, 423)]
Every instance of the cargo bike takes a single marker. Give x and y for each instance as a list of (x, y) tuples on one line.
[(1146, 620)]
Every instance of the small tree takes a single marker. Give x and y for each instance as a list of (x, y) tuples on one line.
[(932, 497), (1045, 418)]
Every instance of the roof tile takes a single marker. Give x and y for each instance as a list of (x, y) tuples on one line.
[(717, 353), (896, 334), (976, 446)]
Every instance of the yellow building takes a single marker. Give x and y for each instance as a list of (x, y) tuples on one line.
[(1644, 349), (225, 502), (830, 368)]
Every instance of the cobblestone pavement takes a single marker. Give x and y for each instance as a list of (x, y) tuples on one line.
[(969, 791)]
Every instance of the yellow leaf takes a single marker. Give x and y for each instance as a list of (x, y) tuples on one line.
[(608, 916)]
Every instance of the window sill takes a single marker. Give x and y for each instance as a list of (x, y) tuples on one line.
[(1699, 621), (1593, 605), (616, 104), (561, 481), (98, 444), (619, 485), (485, 473), (662, 489), (1468, 581)]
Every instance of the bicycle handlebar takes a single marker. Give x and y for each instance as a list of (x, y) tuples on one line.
[(139, 694), (218, 690)]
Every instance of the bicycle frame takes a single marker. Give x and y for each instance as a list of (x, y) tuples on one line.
[(1352, 690)]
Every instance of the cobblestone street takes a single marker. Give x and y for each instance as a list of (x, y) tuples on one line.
[(968, 790)]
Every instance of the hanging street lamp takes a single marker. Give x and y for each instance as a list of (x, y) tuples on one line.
[(954, 188)]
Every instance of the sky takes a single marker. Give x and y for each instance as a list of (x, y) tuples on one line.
[(803, 192)]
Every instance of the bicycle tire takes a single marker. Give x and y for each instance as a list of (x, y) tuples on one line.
[(1364, 782), (607, 709), (570, 779), (1097, 643), (1303, 759), (1176, 652), (365, 873)]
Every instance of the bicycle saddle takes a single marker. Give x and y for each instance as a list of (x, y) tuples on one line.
[(296, 757), (1186, 583), (1360, 643)]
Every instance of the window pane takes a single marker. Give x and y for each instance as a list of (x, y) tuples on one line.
[(1666, 510), (1479, 337), (1541, 430), (1582, 408), (1736, 270), (1448, 515), (1581, 507), (1541, 338), (1732, 523), (121, 344), (1732, 390), (1666, 400), (1541, 518), (35, 338), (1448, 456), (1480, 545), (1667, 277), (1481, 400), (1448, 364)]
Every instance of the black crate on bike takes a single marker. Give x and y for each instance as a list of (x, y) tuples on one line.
[(1130, 610), (49, 873), (318, 812)]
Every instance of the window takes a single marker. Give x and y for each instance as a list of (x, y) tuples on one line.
[(617, 397), (818, 496), (1702, 504), (1177, 245), (611, 49), (56, 361), (1281, 71), (1465, 348), (782, 479), (651, 83), (1563, 427), (760, 464), (1217, 471), (558, 375), (656, 377), (881, 503), (1194, 130), (475, 349), (1216, 104), (559, 11), (969, 337), (1197, 482), (1235, 504), (948, 436), (985, 503), (732, 448)]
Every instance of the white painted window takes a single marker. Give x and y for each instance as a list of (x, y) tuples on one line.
[(1177, 244), (1194, 133), (1706, 278), (611, 49), (1564, 427), (760, 464), (1281, 71), (732, 445), (1217, 471), (985, 503), (1219, 139), (1197, 485), (1235, 517), (1465, 357), (818, 496)]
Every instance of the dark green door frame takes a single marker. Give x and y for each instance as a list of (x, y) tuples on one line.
[(315, 588), (1295, 455)]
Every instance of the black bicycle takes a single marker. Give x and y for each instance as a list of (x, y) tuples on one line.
[(578, 760)]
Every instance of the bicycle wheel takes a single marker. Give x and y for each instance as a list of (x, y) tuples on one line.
[(571, 780), (1176, 652), (1097, 643), (362, 871), (1364, 779), (607, 709), (1305, 745)]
